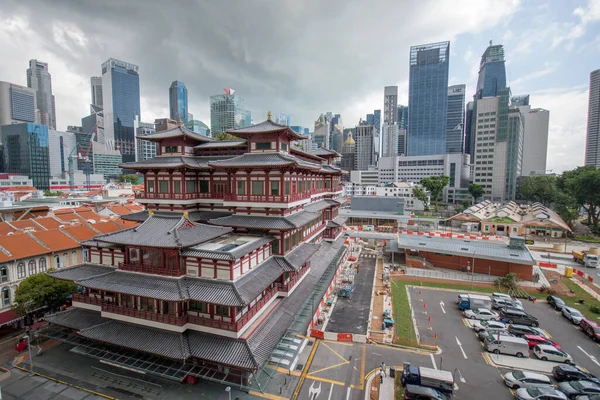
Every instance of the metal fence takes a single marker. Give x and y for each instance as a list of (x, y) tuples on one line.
[(455, 276)]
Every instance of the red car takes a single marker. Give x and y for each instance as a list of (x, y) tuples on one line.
[(534, 340), (591, 328)]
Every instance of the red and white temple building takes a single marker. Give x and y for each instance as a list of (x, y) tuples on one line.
[(238, 238)]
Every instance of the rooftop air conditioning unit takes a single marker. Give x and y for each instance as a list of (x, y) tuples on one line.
[(29, 229)]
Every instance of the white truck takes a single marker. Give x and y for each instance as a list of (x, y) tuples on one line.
[(586, 258)]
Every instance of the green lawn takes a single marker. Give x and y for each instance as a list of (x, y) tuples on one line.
[(587, 238), (399, 395), (572, 301)]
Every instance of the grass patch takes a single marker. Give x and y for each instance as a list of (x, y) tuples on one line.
[(581, 294), (587, 238), (399, 390)]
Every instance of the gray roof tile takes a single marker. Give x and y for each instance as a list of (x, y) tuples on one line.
[(301, 254), (196, 216), (221, 143), (222, 350), (233, 254), (81, 271), (320, 205), (75, 318), (265, 126), (252, 221), (275, 159), (253, 282), (302, 218), (178, 131), (156, 287), (212, 291), (159, 231)]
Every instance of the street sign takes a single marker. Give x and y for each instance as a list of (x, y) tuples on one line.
[(529, 241)]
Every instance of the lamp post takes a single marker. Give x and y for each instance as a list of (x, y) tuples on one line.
[(228, 390), (460, 377), (26, 337)]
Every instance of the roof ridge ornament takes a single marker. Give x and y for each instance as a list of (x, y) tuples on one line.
[(269, 116)]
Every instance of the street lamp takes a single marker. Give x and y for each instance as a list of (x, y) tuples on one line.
[(26, 337), (228, 390), (460, 377)]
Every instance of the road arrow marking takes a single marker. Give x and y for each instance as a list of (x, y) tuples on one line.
[(594, 359), (312, 390), (461, 349), (442, 305)]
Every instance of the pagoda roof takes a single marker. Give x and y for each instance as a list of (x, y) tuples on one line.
[(296, 150), (320, 205), (217, 144), (337, 222), (266, 222), (81, 271), (266, 127), (233, 254), (301, 254), (196, 216), (75, 318), (273, 159), (322, 152), (192, 162), (165, 232), (177, 132)]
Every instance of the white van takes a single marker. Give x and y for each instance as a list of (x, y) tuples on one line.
[(507, 345)]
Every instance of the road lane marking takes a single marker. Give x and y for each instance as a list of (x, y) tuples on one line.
[(316, 378), (305, 371), (348, 393), (334, 352), (461, 349), (594, 359), (433, 361), (442, 305), (330, 392), (330, 367)]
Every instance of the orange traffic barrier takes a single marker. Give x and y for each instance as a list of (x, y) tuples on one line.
[(317, 334), (344, 337)]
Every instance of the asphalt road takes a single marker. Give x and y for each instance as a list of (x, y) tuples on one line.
[(351, 315)]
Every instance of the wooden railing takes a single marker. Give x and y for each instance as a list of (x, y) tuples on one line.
[(150, 269), (147, 315), (290, 285), (178, 196), (265, 198), (82, 298)]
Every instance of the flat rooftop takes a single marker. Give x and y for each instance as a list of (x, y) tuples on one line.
[(465, 247), (227, 242)]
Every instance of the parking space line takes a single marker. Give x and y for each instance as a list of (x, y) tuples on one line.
[(547, 334), (330, 367), (433, 361), (334, 352), (486, 358)]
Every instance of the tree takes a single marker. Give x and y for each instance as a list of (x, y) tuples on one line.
[(226, 136), (566, 206), (435, 186), (420, 194), (131, 178), (476, 191), (41, 290), (582, 185), (540, 188), (48, 193)]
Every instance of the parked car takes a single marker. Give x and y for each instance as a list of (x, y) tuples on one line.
[(525, 379), (483, 334), (572, 314), (423, 393), (540, 393), (482, 314), (547, 352), (507, 297), (500, 302), (572, 373), (534, 340), (483, 325), (522, 330), (591, 328), (556, 302), (588, 397), (511, 345), (574, 388), (513, 316)]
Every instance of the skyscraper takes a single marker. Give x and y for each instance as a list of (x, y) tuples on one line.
[(26, 152), (592, 144), (364, 151), (121, 101), (321, 133), (17, 104), (39, 79), (96, 90), (428, 98), (469, 134), (455, 117), (227, 111), (402, 117), (389, 134), (178, 102), (535, 139), (492, 72)]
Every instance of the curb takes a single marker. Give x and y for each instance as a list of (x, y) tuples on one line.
[(437, 351)]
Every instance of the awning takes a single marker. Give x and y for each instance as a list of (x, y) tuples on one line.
[(9, 317)]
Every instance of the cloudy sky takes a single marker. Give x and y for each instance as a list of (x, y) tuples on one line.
[(307, 57)]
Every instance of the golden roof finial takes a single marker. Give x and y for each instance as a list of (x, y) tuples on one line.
[(269, 116), (150, 213), (179, 122), (186, 215)]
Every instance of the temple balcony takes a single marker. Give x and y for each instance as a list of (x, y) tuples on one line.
[(147, 315), (92, 300), (264, 198), (151, 269), (178, 196), (287, 288)]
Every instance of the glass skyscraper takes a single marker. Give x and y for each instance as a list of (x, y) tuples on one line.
[(39, 79), (455, 117), (227, 111), (178, 102), (428, 98), (121, 101), (26, 152), (492, 72)]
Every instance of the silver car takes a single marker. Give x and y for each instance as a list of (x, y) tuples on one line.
[(572, 314), (483, 325), (547, 352), (525, 379), (482, 314), (483, 334), (540, 393)]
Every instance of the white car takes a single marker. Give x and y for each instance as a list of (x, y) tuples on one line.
[(507, 297), (547, 352), (482, 314), (572, 314), (525, 379), (483, 325), (540, 393)]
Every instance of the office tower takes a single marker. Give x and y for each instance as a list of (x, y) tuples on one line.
[(60, 145), (389, 129), (336, 138), (522, 100), (39, 79), (178, 101), (402, 117), (348, 154), (283, 119), (364, 150), (227, 111), (492, 72), (536, 122), (190, 116), (25, 151), (17, 104), (469, 137), (197, 126), (145, 148), (402, 142), (592, 146), (121, 101), (96, 90), (455, 118), (428, 98), (377, 121), (321, 133)]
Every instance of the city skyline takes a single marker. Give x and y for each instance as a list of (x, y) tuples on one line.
[(558, 81)]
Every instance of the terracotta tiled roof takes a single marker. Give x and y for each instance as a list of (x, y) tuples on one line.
[(25, 223), (20, 245), (125, 224), (69, 217), (49, 222), (17, 189), (80, 232), (56, 240), (119, 209), (133, 207), (107, 227), (5, 228)]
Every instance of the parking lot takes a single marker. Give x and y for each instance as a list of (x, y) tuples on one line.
[(440, 321)]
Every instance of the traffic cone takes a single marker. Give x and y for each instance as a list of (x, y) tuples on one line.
[(435, 336), (419, 292), (429, 319), (425, 305)]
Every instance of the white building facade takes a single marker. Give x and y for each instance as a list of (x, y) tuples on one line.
[(535, 140)]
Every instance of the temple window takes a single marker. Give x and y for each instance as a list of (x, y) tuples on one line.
[(134, 256), (257, 187), (171, 149), (222, 311), (287, 188), (274, 188), (176, 186), (276, 246), (146, 304), (150, 186), (263, 146), (163, 186), (284, 146), (190, 186), (199, 306), (203, 186), (241, 187)]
